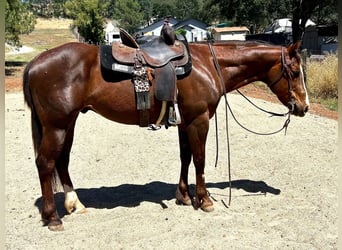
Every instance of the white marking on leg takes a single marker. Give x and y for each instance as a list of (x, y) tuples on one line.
[(73, 204)]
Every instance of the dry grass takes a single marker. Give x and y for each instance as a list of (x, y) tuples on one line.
[(48, 33), (322, 80), (55, 23)]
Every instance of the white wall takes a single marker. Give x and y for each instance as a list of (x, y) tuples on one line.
[(230, 36)]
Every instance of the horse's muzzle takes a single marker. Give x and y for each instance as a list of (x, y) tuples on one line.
[(296, 109)]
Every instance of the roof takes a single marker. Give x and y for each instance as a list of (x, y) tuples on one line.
[(158, 24), (191, 22), (176, 24), (230, 29), (284, 25)]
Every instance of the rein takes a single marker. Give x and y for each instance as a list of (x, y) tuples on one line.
[(285, 70), (226, 112)]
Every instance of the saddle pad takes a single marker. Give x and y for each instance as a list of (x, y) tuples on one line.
[(108, 62), (108, 70), (106, 57)]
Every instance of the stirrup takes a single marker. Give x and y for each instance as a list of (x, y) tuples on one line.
[(174, 116)]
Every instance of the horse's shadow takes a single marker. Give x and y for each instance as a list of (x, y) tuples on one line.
[(131, 195)]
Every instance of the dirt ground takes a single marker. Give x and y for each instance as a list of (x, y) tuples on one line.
[(127, 177)]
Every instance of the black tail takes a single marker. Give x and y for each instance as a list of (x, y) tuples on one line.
[(35, 123)]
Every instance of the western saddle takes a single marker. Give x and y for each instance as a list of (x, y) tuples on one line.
[(159, 61)]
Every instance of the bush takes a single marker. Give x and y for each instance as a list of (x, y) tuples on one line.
[(322, 77)]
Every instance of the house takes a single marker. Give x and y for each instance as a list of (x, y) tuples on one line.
[(230, 33), (195, 30), (279, 32), (155, 28), (321, 39), (112, 33)]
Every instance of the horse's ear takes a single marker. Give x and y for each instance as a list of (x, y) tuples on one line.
[(295, 46)]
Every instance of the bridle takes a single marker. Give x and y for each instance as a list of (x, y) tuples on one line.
[(285, 71)]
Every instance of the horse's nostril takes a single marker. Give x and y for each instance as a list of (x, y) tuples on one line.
[(306, 109)]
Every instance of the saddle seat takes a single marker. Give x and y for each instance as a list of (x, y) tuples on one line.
[(155, 53)]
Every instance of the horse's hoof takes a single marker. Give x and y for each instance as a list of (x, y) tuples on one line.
[(55, 226), (181, 200), (81, 211), (207, 208), (206, 205)]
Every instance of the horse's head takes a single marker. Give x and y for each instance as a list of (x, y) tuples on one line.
[(288, 83)]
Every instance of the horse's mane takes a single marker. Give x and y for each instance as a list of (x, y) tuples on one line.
[(239, 42)]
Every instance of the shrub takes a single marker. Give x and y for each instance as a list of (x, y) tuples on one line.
[(322, 77)]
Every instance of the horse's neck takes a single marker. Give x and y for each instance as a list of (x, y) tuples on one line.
[(247, 64)]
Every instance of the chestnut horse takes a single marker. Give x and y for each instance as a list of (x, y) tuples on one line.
[(62, 82)]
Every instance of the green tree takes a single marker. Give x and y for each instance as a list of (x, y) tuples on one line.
[(251, 13), (161, 9), (210, 13), (89, 18), (147, 10), (187, 9), (47, 8), (326, 14), (129, 14), (18, 20), (259, 13)]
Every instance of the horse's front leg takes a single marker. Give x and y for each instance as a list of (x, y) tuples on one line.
[(197, 134)]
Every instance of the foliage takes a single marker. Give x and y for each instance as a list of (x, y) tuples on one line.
[(147, 9), (133, 14), (326, 12), (187, 9), (180, 32), (211, 13), (18, 20), (128, 13), (47, 8), (88, 17), (258, 13), (161, 9)]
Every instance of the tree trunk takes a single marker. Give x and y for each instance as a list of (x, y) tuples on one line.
[(302, 10)]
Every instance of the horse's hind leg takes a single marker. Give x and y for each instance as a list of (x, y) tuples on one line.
[(49, 151), (182, 192), (72, 203)]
